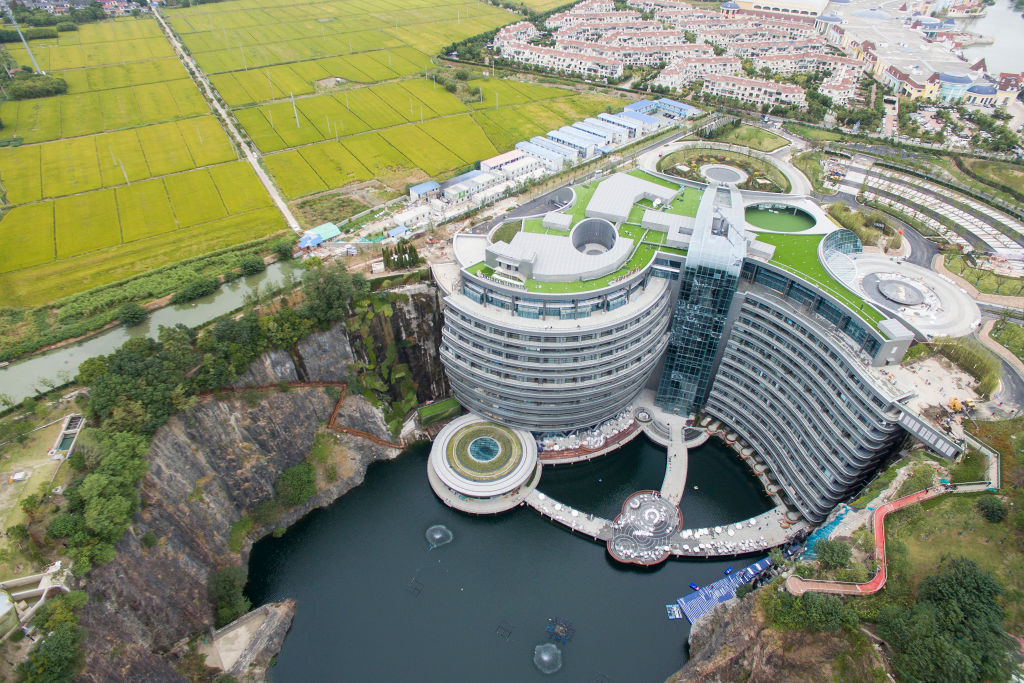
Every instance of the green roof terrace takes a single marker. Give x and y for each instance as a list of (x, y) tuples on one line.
[(798, 254)]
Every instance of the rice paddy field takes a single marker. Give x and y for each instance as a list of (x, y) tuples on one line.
[(335, 92), (127, 172), (401, 132), (130, 171)]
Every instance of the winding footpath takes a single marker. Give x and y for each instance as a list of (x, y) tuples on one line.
[(799, 586)]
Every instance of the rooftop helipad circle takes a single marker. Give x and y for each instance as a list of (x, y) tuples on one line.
[(723, 173), (482, 459), (901, 292)]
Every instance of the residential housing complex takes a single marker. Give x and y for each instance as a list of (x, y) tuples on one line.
[(905, 49), (593, 40)]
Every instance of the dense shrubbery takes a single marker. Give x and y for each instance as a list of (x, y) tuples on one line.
[(811, 611), (296, 485), (250, 265), (35, 86), (833, 554), (991, 508), (57, 658), (9, 35), (131, 314), (954, 631), (200, 287), (226, 596)]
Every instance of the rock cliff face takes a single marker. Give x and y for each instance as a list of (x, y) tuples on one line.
[(211, 466), (735, 643), (414, 327)]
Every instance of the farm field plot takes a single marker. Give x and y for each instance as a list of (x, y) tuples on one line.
[(40, 284), (462, 136), (255, 33), (126, 172), (63, 167), (501, 92), (423, 151)]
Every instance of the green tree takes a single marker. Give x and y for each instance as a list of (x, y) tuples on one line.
[(328, 292), (131, 314), (225, 591), (991, 508), (296, 485), (832, 554), (954, 631), (251, 265), (55, 659), (283, 248)]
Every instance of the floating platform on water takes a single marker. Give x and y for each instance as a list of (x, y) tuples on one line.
[(702, 601), (673, 611)]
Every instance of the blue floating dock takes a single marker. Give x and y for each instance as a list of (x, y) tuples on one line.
[(699, 603)]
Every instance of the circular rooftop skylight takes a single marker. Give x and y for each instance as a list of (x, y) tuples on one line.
[(593, 236)]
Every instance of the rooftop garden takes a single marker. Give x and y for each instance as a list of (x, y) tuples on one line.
[(584, 193), (644, 175), (687, 203), (780, 220), (799, 255), (641, 257)]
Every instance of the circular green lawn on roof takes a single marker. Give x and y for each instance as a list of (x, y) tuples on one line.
[(471, 452), (787, 219)]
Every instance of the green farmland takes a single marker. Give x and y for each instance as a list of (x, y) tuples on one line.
[(129, 170), (126, 172), (335, 92)]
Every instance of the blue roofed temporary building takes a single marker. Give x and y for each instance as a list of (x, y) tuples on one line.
[(318, 235), (400, 231), (423, 189), (640, 107), (677, 108)]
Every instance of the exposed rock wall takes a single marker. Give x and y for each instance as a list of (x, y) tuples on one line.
[(212, 465), (735, 643), (414, 327)]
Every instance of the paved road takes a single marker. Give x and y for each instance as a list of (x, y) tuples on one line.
[(200, 79)]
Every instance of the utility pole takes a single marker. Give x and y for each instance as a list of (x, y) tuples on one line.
[(295, 111)]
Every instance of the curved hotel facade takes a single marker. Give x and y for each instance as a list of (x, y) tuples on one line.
[(560, 325)]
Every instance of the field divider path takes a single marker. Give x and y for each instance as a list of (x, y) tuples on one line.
[(199, 77)]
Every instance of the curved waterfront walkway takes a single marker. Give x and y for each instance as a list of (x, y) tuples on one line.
[(799, 586), (598, 528)]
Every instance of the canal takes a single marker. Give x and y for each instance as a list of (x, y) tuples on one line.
[(39, 372), (374, 604)]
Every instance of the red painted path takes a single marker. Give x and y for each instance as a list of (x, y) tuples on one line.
[(798, 586)]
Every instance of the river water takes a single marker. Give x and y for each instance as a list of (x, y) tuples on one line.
[(1004, 24), (30, 376), (354, 568)]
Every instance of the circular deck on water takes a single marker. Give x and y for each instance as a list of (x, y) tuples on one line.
[(476, 459), (643, 531)]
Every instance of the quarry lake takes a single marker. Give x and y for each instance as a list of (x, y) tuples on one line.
[(374, 603)]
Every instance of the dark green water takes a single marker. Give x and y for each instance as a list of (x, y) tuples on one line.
[(349, 568)]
